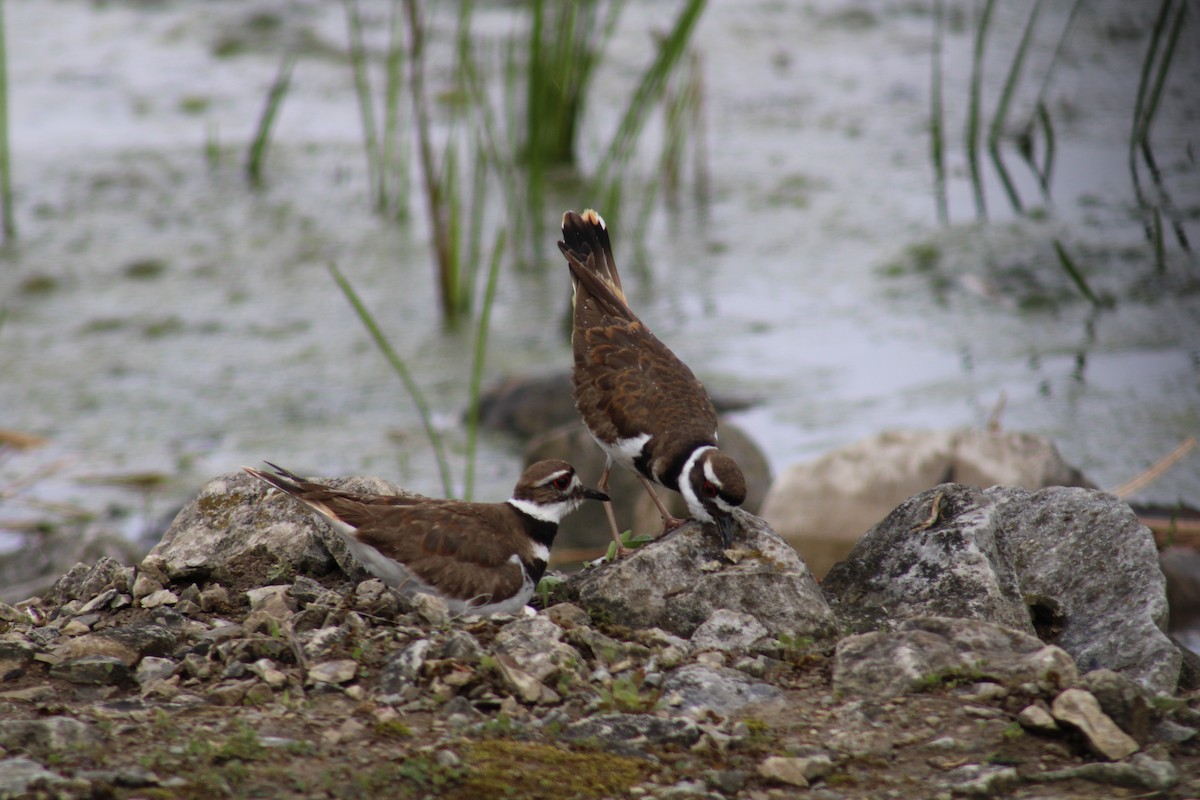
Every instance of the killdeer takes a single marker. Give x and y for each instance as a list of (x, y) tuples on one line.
[(481, 558), (641, 404)]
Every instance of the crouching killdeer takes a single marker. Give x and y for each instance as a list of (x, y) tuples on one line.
[(644, 407), (481, 558)]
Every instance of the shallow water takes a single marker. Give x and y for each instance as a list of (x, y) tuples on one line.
[(163, 318)]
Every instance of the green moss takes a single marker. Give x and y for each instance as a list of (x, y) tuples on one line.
[(393, 729), (507, 768)]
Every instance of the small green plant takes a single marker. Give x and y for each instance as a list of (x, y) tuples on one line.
[(428, 774), (1013, 731), (498, 726), (628, 696), (630, 541), (794, 648), (242, 745), (546, 586)]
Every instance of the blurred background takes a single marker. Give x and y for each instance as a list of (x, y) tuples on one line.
[(847, 217)]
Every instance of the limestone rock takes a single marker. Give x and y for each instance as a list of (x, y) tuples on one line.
[(666, 584), (924, 651), (940, 553), (1090, 570), (588, 526), (783, 770), (128, 643), (1140, 772), (727, 631), (698, 688), (1037, 719), (982, 780), (822, 507), (404, 668), (341, 670), (20, 777), (238, 531), (41, 737), (623, 732), (535, 645), (1123, 701), (100, 670), (1079, 709)]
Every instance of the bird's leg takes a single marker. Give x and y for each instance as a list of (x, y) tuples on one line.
[(670, 522), (602, 486)]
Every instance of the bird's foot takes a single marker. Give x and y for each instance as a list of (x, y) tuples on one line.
[(671, 523)]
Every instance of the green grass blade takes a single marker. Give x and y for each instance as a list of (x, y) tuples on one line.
[(481, 338), (1150, 109), (973, 130), (937, 152), (262, 134), (7, 213), (1046, 171), (1068, 264), (1139, 103), (1000, 117), (366, 105), (397, 365), (649, 90), (393, 160)]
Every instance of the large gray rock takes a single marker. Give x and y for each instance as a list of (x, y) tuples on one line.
[(1090, 570), (696, 689), (588, 527), (42, 737), (925, 651), (677, 582), (907, 566), (237, 532), (1073, 565), (822, 507)]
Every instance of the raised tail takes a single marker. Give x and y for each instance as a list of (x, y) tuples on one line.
[(586, 246)]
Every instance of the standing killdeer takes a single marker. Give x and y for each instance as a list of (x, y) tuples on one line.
[(481, 558), (641, 404)]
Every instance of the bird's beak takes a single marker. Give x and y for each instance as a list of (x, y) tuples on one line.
[(725, 526), (594, 494)]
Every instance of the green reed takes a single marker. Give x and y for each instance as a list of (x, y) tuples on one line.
[(398, 366), (7, 215), (1072, 269), (1000, 116), (615, 161), (937, 149), (481, 338), (1168, 25), (266, 121), (973, 129), (383, 145)]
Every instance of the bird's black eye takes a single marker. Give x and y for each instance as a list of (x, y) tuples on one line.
[(710, 489), (562, 482)]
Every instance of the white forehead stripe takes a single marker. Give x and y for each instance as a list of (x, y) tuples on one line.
[(708, 473), (553, 477), (685, 485)]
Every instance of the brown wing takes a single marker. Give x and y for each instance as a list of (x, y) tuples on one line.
[(623, 359), (464, 551)]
